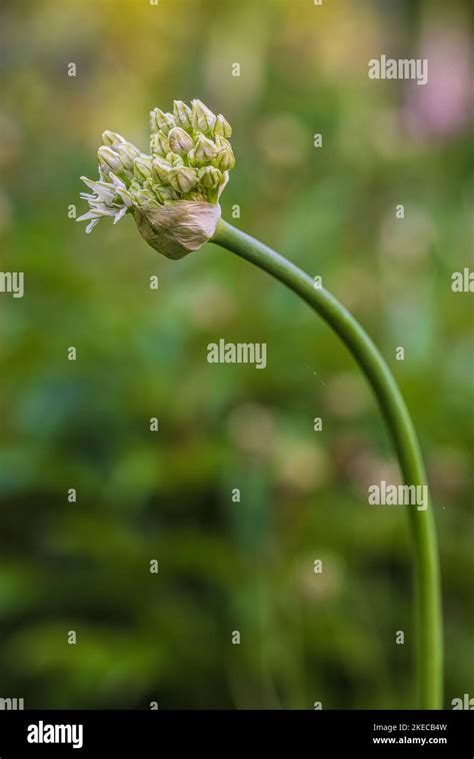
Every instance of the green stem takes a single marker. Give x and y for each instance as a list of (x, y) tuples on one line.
[(429, 643)]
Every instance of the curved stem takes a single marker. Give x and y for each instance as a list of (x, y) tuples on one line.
[(429, 644)]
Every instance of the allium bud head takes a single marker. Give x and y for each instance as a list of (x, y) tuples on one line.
[(203, 118), (183, 179), (183, 114), (222, 127), (173, 193), (161, 120), (180, 141), (109, 160), (142, 167), (205, 150)]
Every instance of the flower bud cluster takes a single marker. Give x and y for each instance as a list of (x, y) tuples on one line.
[(190, 159)]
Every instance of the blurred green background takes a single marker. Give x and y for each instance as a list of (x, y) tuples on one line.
[(141, 353)]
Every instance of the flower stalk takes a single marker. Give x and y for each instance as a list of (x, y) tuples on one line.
[(428, 614)]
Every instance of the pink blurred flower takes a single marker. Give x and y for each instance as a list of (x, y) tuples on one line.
[(444, 106)]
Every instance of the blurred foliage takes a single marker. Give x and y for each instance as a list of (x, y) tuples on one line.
[(227, 566)]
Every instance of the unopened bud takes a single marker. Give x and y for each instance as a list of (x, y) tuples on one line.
[(191, 158), (203, 118), (174, 159), (183, 179), (109, 160), (210, 177), (205, 150), (144, 198), (142, 167), (222, 127), (161, 169), (183, 115), (161, 120), (127, 153), (112, 138), (225, 159), (159, 144), (180, 141)]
